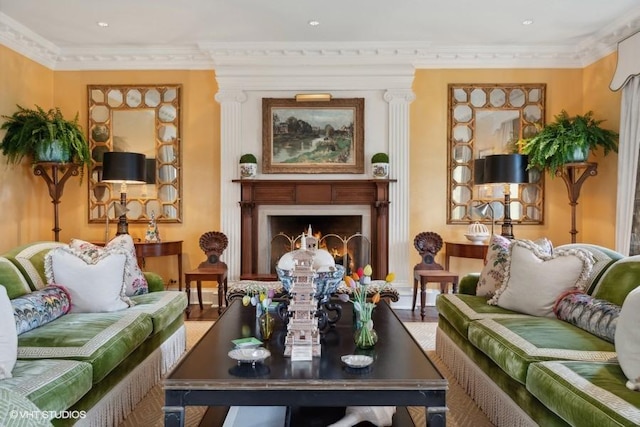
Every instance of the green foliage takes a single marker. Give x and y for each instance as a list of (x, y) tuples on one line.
[(28, 130), (380, 158), (553, 145), (248, 158)]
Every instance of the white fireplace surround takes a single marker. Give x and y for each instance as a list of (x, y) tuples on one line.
[(387, 93), (264, 212)]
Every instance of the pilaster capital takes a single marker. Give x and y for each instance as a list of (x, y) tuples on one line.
[(399, 95), (227, 95)]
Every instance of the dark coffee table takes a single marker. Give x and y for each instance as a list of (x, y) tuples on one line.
[(401, 374)]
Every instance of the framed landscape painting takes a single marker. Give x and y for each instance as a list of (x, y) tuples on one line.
[(313, 137)]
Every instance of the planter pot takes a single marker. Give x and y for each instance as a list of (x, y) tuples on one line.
[(380, 170), (51, 152), (248, 170), (578, 155)]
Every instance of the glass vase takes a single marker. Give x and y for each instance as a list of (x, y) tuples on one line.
[(267, 324), (365, 336)]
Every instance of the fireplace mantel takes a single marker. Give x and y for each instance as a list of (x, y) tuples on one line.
[(372, 192)]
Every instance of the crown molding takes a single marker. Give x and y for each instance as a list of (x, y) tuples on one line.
[(209, 55)]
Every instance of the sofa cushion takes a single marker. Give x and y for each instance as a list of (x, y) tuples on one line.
[(30, 261), (12, 280), (134, 280), (585, 393), (95, 284), (12, 401), (603, 259), (618, 280), (102, 339), (8, 336), (534, 280), (627, 339), (40, 307), (493, 273), (460, 310), (164, 307), (596, 316), (53, 385), (514, 343)]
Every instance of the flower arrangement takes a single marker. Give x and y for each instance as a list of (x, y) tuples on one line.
[(358, 283), (259, 297)]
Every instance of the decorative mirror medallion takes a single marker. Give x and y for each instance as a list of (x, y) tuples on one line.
[(486, 119), (140, 119)]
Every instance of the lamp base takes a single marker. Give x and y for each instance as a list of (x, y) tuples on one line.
[(123, 227)]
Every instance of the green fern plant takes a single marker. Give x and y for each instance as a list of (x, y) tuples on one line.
[(248, 158), (380, 158), (32, 131), (556, 142)]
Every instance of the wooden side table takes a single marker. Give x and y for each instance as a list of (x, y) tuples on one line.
[(464, 250), (431, 276), (144, 250), (217, 273)]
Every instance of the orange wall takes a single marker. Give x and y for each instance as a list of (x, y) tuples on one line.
[(29, 215), (575, 90), (26, 213)]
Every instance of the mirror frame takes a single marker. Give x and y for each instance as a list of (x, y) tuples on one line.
[(528, 127), (100, 136)]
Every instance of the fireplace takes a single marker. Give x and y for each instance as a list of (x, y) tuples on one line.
[(342, 231), (337, 201)]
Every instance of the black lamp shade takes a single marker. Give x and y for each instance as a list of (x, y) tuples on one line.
[(119, 167), (501, 169)]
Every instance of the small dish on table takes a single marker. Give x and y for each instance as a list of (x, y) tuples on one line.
[(249, 355), (357, 361)]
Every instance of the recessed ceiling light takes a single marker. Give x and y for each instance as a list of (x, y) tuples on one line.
[(527, 22), (314, 23), (102, 24)]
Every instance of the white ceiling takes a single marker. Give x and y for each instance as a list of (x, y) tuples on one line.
[(63, 34)]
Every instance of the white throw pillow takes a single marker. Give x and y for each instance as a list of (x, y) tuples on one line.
[(134, 280), (627, 339), (534, 280), (8, 336), (493, 272), (95, 284)]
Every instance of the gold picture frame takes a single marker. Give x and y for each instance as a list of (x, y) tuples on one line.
[(313, 137)]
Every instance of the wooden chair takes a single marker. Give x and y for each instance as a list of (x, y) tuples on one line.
[(213, 244), (428, 244)]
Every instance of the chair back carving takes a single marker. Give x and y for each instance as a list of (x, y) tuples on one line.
[(213, 244), (428, 244)]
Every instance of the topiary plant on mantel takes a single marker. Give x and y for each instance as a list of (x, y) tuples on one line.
[(568, 139)]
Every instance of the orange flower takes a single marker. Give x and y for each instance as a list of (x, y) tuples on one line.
[(376, 298), (355, 276)]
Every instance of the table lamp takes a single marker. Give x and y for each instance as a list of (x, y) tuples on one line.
[(123, 168), (503, 169)]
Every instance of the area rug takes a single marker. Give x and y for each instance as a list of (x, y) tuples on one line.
[(462, 410)]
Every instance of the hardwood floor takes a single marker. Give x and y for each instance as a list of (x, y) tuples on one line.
[(211, 313)]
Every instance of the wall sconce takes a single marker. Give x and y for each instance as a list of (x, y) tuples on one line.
[(502, 169), (313, 97), (123, 168)]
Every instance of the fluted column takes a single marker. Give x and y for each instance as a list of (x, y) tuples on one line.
[(230, 152), (399, 101)]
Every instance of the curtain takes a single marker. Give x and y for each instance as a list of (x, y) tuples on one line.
[(628, 212)]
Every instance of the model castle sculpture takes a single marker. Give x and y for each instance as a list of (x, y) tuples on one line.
[(303, 336)]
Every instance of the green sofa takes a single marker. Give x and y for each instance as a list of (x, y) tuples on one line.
[(89, 368), (523, 370)]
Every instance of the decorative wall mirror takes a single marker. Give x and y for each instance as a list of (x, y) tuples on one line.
[(489, 119), (141, 119)]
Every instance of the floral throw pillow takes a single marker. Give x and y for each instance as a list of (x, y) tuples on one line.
[(493, 273), (134, 280)]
